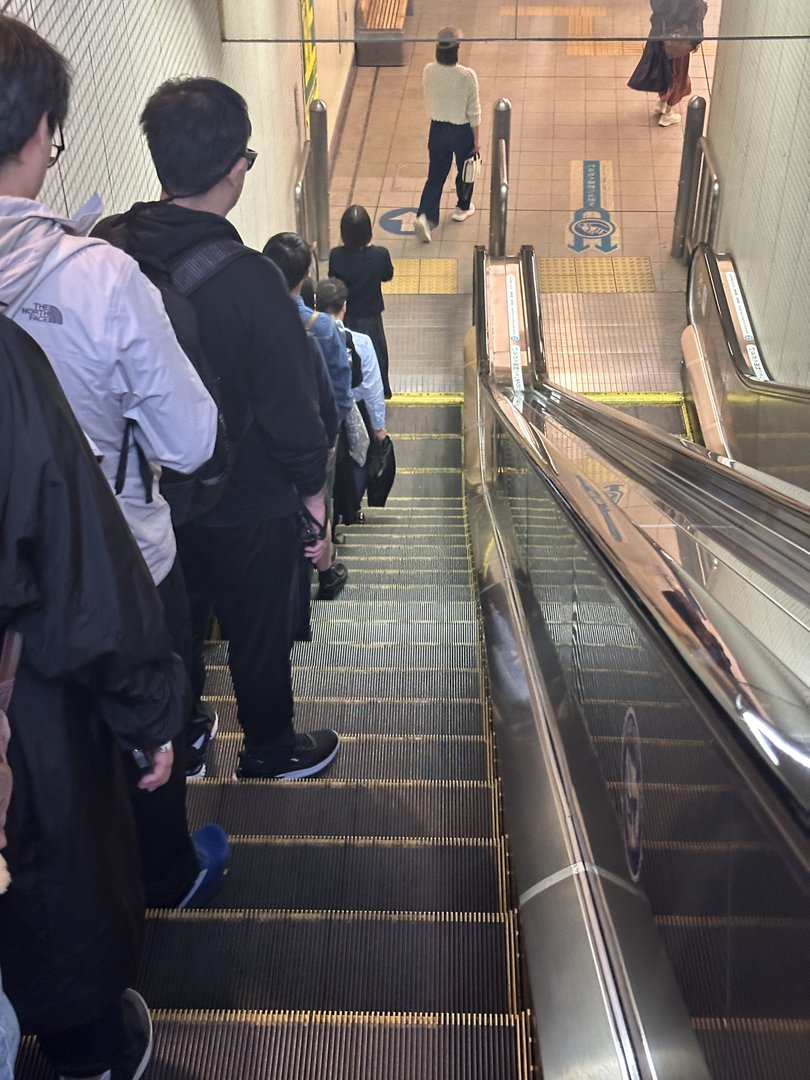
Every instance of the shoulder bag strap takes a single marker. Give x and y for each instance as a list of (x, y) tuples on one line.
[(9, 659)]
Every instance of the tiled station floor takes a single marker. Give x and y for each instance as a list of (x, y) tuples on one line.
[(570, 108)]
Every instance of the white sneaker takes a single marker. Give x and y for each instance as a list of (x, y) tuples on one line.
[(462, 215), (661, 107), (421, 227), (668, 118)]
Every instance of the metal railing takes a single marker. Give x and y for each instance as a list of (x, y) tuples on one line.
[(311, 189), (698, 206), (499, 185)]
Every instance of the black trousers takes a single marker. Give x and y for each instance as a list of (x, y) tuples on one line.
[(249, 573), (90, 1049), (445, 142), (168, 860)]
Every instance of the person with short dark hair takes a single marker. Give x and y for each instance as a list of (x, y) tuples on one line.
[(292, 254), (112, 347), (451, 96), (363, 267), (240, 556)]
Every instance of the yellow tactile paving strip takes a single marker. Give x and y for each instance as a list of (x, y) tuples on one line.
[(423, 277), (580, 20), (596, 273), (652, 397)]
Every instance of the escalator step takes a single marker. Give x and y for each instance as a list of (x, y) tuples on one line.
[(609, 685), (440, 592), (424, 418), (393, 574), (327, 960), (301, 873), (372, 717), (740, 880), (750, 1049), (317, 1046), (662, 760), (338, 808), (429, 483), (365, 684), (713, 960), (364, 757), (693, 813), (408, 656), (389, 632), (442, 452), (656, 719), (379, 547)]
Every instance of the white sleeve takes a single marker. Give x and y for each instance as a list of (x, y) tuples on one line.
[(370, 389), (161, 391)]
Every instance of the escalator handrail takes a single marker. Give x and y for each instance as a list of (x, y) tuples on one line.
[(767, 388), (781, 520), (668, 595)]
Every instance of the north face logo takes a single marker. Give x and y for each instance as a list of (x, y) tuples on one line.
[(43, 313)]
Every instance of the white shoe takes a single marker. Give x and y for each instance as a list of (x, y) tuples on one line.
[(462, 215), (421, 227), (661, 106), (668, 118)]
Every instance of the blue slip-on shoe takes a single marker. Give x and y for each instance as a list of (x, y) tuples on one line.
[(213, 853)]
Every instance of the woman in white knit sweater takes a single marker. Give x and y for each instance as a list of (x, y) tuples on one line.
[(451, 96)]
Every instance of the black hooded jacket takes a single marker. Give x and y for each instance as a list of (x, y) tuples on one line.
[(253, 339), (97, 670)]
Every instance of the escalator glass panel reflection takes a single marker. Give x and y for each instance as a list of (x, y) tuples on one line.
[(732, 915)]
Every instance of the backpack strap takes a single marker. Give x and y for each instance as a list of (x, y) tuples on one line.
[(311, 321), (9, 659), (199, 264), (144, 467), (190, 272)]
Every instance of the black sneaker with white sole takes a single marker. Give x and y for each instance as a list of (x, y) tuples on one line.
[(313, 752), (200, 730), (138, 1022)]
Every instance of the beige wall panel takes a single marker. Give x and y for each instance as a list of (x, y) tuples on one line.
[(759, 132)]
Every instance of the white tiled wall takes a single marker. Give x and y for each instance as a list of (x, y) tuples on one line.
[(759, 131), (120, 50)]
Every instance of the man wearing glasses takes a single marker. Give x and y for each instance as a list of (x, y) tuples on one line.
[(240, 557), (70, 924)]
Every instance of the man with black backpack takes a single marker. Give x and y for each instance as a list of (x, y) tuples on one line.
[(107, 336), (240, 556)]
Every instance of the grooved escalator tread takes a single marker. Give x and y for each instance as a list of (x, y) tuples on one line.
[(699, 881), (386, 757), (259, 1045), (750, 1048), (299, 872), (366, 717), (700, 947), (344, 808), (337, 961)]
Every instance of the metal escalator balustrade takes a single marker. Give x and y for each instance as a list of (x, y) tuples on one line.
[(745, 415), (366, 927), (695, 826)]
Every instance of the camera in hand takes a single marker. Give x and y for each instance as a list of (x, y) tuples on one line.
[(311, 529)]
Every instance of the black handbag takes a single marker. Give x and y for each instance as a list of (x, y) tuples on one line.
[(382, 468), (653, 71)]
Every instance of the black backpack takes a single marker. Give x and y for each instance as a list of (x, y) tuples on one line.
[(354, 356), (190, 495)]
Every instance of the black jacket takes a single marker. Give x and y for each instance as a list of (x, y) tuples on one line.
[(362, 272), (253, 339), (97, 668)]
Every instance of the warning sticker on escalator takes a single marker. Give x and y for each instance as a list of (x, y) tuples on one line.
[(632, 793)]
